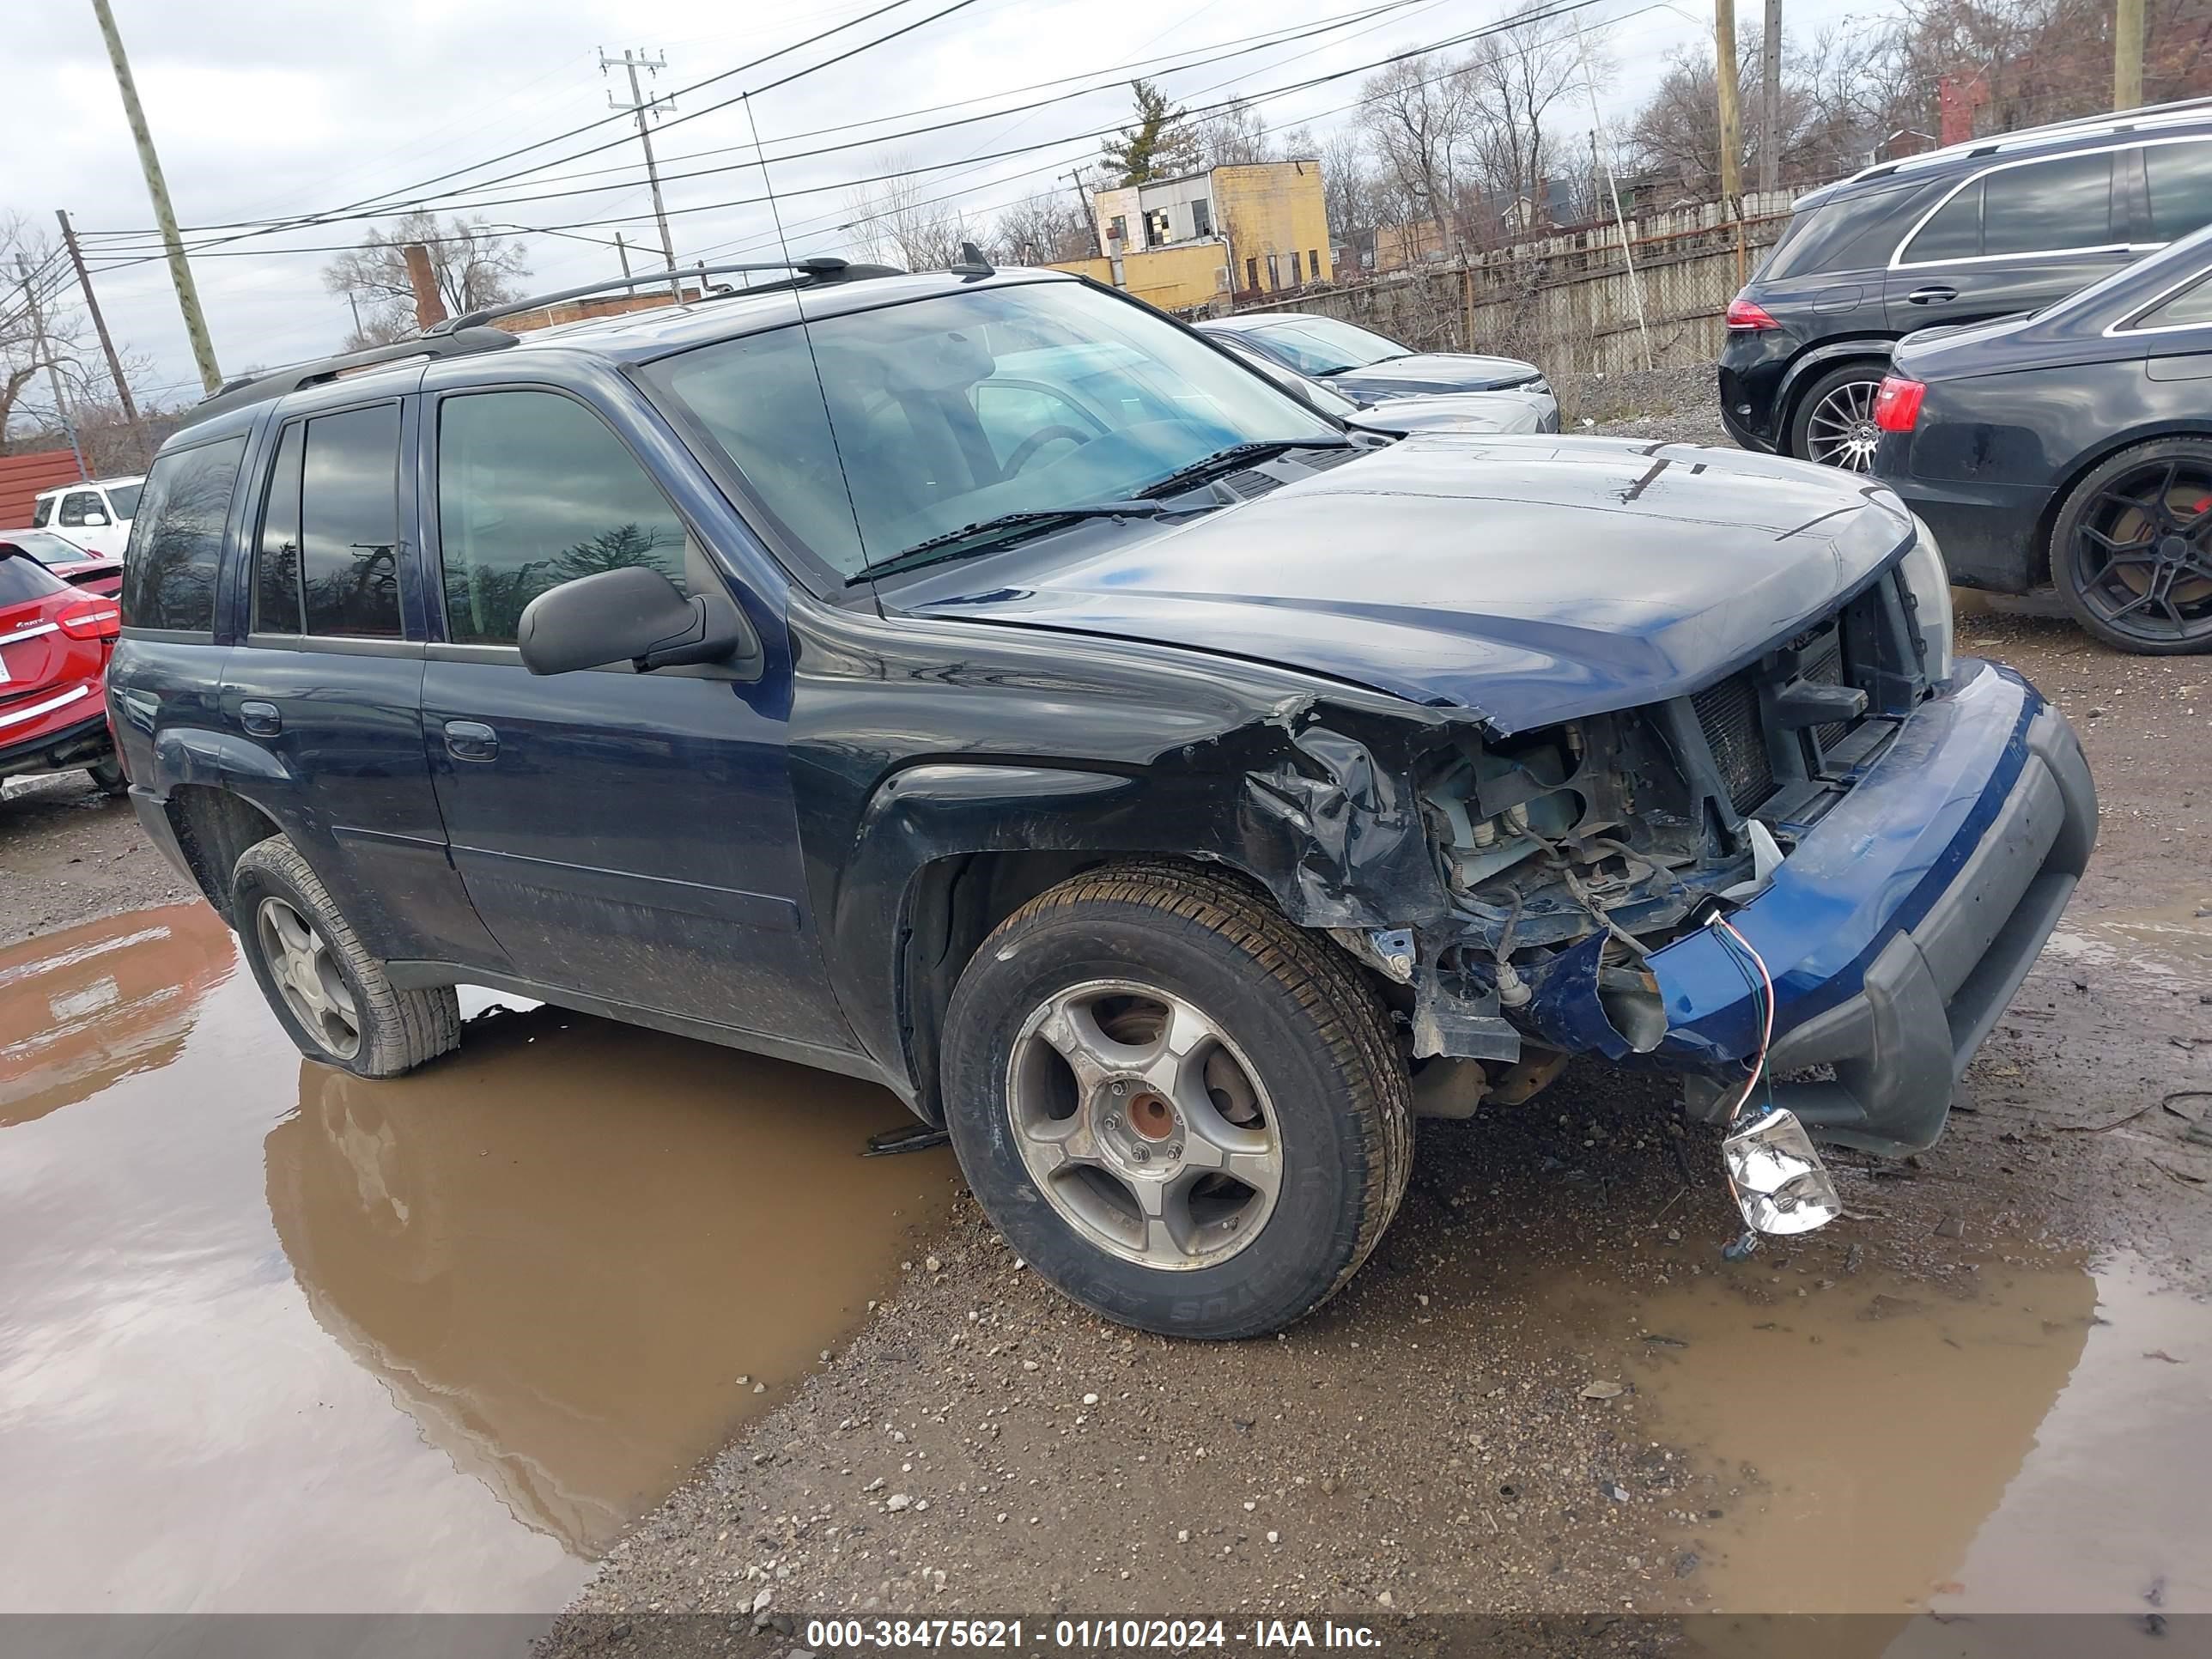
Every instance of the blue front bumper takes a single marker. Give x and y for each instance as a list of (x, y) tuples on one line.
[(1900, 925)]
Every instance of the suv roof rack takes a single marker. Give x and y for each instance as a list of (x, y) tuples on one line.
[(2151, 116), (462, 335), (258, 388), (818, 268)]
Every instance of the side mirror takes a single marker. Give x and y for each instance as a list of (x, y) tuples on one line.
[(95, 521), (633, 615)]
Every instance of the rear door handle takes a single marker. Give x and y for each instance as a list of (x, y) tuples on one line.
[(471, 740), (260, 719), (1935, 293)]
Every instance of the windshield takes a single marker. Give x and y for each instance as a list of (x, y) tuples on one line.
[(124, 498), (1314, 392), (1322, 345), (961, 409), (46, 549)]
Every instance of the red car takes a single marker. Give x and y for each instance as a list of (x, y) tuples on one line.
[(95, 573), (55, 641)]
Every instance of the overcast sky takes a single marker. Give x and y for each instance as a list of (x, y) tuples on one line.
[(262, 110)]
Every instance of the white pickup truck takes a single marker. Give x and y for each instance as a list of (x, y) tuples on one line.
[(95, 515)]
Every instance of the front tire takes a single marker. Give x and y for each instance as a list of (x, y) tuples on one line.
[(108, 778), (1188, 1114), (2131, 548), (333, 999), (1833, 422)]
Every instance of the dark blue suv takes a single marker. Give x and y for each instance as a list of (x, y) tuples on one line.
[(981, 684)]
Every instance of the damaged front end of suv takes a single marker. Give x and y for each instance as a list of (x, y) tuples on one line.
[(1757, 881)]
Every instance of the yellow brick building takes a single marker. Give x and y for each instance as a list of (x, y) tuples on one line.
[(1229, 232)]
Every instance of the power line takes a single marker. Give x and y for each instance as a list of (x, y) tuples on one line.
[(1463, 38), (388, 206)]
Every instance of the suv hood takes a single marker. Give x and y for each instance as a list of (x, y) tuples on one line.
[(1454, 411), (1528, 580), (1432, 371)]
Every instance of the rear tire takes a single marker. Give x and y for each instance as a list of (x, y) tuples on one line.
[(333, 999), (1261, 1136), (1833, 422), (2131, 548)]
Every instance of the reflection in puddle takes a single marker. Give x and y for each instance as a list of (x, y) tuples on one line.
[(561, 1281), (557, 1252), (1885, 1445)]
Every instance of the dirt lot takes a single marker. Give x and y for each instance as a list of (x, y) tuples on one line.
[(1547, 1392)]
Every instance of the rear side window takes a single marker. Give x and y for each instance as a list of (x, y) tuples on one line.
[(1956, 232), (2190, 308), (23, 578), (349, 524), (535, 490), (43, 513), (168, 580), (2047, 207), (2180, 179), (2063, 203)]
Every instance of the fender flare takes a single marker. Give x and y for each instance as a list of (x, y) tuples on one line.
[(1811, 365)]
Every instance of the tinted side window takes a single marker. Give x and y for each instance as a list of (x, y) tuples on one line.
[(534, 490), (2191, 307), (176, 542), (1956, 232), (43, 512), (76, 505), (124, 498), (2180, 179), (2061, 203), (349, 524), (277, 553)]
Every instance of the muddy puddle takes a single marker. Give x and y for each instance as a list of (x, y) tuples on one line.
[(271, 1338), (2029, 1437)]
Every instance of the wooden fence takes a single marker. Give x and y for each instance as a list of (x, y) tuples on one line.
[(1567, 301)]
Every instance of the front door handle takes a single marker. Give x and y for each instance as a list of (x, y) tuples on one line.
[(260, 719), (471, 740), (1935, 293)]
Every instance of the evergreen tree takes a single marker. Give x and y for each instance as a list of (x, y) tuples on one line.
[(1161, 145)]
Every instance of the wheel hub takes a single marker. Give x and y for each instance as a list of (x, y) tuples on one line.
[(1143, 1125)]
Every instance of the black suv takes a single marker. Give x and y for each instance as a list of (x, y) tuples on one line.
[(979, 683), (2003, 225)]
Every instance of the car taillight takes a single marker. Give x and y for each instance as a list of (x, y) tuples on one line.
[(1897, 405), (99, 619), (1745, 314)]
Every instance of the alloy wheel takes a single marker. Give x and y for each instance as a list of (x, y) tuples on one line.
[(2142, 554), (307, 977), (1143, 1125), (1840, 431)]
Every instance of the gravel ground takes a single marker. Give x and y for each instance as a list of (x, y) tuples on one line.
[(69, 854)]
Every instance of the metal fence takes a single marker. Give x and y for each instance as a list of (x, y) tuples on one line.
[(1568, 301)]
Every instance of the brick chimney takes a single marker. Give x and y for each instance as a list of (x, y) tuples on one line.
[(429, 307)]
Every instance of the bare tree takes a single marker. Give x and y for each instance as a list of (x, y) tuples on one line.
[(1514, 76), (1415, 114), (473, 264), (1236, 136), (1042, 229), (896, 222), (22, 365)]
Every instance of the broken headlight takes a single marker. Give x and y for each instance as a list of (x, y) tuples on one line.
[(1927, 580)]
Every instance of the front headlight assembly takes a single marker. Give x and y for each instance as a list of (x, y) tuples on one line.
[(1928, 580)]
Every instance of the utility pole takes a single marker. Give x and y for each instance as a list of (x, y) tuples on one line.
[(1601, 159), (642, 107), (1731, 124), (2127, 53), (622, 253), (106, 341), (1089, 216), (53, 373), (180, 273), (1770, 94)]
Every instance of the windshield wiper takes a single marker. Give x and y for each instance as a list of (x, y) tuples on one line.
[(1236, 455), (985, 534)]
